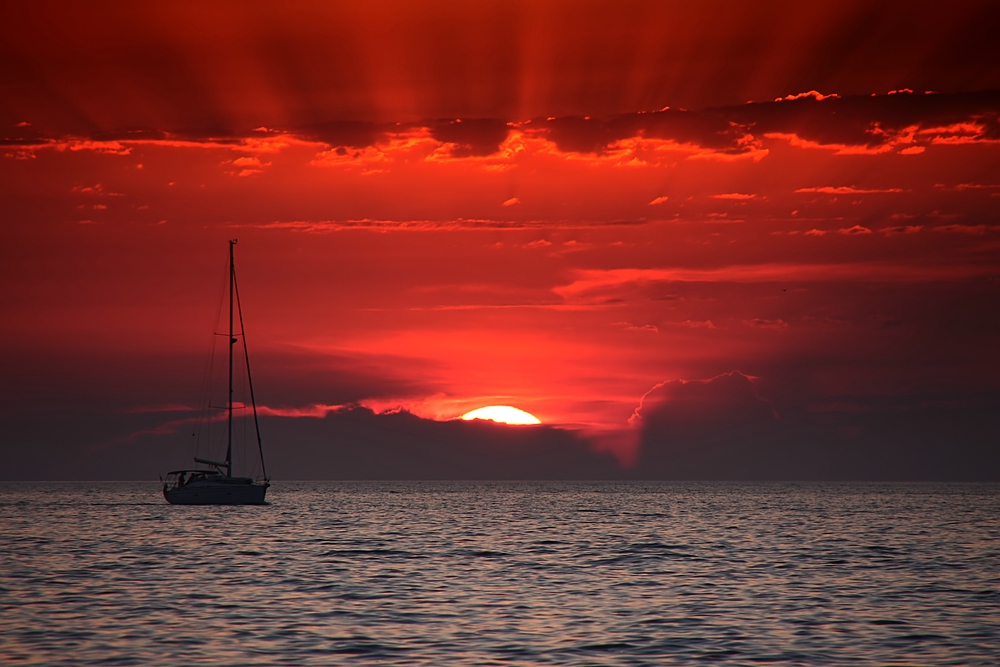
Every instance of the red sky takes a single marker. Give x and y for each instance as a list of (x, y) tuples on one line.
[(730, 239)]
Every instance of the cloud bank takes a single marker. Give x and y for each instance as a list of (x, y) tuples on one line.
[(847, 125)]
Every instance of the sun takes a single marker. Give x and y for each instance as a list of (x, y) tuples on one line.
[(503, 414)]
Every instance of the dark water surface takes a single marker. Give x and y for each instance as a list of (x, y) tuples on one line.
[(503, 573)]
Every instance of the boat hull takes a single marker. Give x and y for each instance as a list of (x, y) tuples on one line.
[(217, 494)]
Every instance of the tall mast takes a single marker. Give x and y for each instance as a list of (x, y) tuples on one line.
[(232, 341), (246, 357)]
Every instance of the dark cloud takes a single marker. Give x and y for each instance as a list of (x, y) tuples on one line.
[(36, 382), (723, 428), (870, 121), (860, 122), (358, 444), (353, 443), (471, 136), (131, 421), (722, 408), (591, 135), (213, 136), (351, 134), (300, 377)]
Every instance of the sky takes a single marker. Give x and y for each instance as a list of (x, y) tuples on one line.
[(718, 240)]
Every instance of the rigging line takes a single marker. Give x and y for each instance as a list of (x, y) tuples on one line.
[(229, 401), (240, 453), (203, 428), (246, 354)]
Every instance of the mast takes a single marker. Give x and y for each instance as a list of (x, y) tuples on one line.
[(232, 341), (246, 356)]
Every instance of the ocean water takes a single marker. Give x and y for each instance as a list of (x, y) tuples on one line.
[(334, 573)]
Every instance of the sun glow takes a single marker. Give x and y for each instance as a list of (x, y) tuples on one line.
[(503, 414)]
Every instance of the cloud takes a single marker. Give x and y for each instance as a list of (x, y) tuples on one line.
[(588, 281), (330, 226), (316, 411), (856, 230), (249, 166), (357, 443), (96, 190), (812, 94), (904, 229), (876, 124), (347, 134), (122, 142), (723, 428), (733, 195), (471, 137), (854, 124), (846, 190), (686, 425), (767, 324), (698, 324), (976, 230), (513, 201), (658, 200), (977, 186), (860, 124), (167, 407), (644, 327), (690, 403), (705, 130)]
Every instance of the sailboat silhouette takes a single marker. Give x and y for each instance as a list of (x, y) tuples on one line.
[(216, 484)]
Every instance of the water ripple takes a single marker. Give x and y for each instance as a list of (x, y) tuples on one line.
[(503, 573)]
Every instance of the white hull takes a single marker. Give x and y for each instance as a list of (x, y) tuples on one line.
[(217, 492)]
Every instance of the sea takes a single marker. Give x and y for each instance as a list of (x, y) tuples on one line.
[(503, 573)]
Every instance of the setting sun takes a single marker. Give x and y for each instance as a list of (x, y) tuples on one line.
[(503, 414)]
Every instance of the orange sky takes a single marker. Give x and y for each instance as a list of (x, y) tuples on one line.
[(562, 207)]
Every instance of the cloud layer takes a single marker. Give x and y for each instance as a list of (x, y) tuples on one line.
[(849, 125)]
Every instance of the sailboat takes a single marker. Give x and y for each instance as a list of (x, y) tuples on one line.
[(214, 483)]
